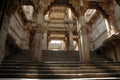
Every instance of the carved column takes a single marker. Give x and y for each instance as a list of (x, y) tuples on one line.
[(83, 39), (27, 39), (67, 41), (79, 47), (37, 56), (70, 30), (84, 44), (45, 36)]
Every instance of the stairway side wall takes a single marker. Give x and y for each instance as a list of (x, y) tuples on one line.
[(99, 34), (16, 30), (117, 15)]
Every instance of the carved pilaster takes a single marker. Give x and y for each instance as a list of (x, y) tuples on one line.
[(37, 55), (70, 30), (45, 37), (83, 38)]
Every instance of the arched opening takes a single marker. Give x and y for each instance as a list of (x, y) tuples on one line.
[(118, 2), (98, 28), (57, 45)]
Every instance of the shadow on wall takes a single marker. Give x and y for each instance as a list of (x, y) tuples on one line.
[(10, 47)]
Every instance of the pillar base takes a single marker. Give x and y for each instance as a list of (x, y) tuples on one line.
[(36, 60), (44, 48)]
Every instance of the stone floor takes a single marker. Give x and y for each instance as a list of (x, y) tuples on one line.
[(107, 78)]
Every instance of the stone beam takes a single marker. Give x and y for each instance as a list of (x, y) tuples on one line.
[(98, 0), (56, 38)]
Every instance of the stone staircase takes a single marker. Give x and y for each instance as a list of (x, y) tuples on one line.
[(56, 70), (61, 56), (98, 57), (20, 55), (25, 68)]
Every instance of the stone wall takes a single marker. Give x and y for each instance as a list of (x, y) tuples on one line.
[(98, 32), (16, 30), (117, 15)]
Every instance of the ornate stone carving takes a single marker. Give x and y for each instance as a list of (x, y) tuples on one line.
[(109, 9)]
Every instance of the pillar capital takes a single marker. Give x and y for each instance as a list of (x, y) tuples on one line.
[(83, 30), (81, 11), (41, 8), (70, 26), (40, 14)]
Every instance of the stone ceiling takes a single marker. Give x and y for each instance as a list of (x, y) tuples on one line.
[(57, 11), (58, 7)]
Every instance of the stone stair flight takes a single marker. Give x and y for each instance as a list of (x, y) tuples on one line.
[(11, 68)]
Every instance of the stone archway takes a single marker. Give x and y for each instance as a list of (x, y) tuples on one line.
[(118, 2)]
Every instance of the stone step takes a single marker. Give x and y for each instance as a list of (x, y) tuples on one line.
[(59, 68), (61, 65), (49, 55), (51, 51), (58, 76), (61, 62), (102, 78), (59, 71)]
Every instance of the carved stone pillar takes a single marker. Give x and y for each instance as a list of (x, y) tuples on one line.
[(37, 55), (84, 44), (71, 40), (83, 40), (28, 34), (70, 30), (40, 18), (28, 38), (45, 36), (45, 39), (79, 47), (67, 41)]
